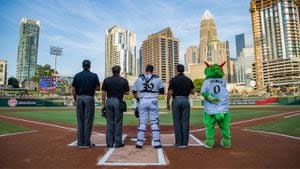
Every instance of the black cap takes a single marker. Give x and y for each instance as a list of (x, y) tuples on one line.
[(149, 68)]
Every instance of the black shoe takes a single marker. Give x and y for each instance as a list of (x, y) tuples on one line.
[(158, 147), (92, 145), (138, 147), (175, 145), (109, 146), (118, 146)]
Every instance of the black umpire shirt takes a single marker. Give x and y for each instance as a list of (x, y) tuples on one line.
[(115, 86), (85, 83), (181, 85)]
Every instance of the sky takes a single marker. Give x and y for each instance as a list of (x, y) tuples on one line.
[(78, 26)]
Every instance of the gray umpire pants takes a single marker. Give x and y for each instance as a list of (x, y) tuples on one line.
[(85, 107), (114, 120), (181, 119)]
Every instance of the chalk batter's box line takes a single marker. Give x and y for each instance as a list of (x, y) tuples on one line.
[(199, 142), (74, 143), (160, 154)]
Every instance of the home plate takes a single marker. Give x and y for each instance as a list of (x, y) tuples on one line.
[(130, 156), (98, 139), (169, 140)]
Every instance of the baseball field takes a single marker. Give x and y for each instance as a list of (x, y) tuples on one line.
[(262, 137)]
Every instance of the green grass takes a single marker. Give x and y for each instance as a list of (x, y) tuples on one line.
[(289, 126), (69, 117), (10, 128)]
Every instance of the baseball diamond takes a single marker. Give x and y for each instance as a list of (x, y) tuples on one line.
[(54, 140)]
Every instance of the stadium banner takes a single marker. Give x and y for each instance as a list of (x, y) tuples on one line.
[(22, 102)]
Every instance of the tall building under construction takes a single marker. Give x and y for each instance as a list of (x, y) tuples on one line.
[(276, 36)]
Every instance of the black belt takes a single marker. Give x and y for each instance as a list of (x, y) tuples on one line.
[(115, 98), (180, 97), (84, 95)]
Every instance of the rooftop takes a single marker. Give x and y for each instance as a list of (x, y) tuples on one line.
[(207, 15)]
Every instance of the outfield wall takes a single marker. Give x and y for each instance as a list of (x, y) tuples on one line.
[(29, 102)]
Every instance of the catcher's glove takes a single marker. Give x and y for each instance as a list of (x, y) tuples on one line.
[(103, 112)]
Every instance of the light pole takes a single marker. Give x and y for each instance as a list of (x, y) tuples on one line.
[(56, 51)]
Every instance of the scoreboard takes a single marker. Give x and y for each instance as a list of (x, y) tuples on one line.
[(47, 83)]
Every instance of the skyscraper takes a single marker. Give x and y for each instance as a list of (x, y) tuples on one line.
[(27, 48), (120, 49), (140, 63), (192, 55), (244, 58), (208, 32), (276, 35), (211, 49), (161, 49), (3, 72)]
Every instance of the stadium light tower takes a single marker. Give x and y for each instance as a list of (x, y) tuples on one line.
[(55, 51)]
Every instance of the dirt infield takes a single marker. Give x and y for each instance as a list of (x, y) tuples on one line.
[(47, 148)]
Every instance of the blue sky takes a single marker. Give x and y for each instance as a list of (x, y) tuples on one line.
[(79, 26)]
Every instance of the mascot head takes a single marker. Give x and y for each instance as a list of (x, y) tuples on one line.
[(214, 71)]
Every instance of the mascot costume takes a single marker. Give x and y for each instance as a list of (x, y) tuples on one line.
[(216, 106)]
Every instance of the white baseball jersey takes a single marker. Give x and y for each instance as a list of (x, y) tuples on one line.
[(148, 86), (216, 87)]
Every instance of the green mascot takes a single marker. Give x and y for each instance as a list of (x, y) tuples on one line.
[(216, 105)]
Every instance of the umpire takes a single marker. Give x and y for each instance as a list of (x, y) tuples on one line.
[(83, 90), (113, 90), (180, 87)]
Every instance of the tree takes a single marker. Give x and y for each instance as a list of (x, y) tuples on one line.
[(13, 82), (41, 70), (198, 84)]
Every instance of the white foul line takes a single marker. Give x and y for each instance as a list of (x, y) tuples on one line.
[(43, 123), (106, 156), (276, 134), (18, 133), (40, 123), (293, 115), (250, 120), (161, 157), (197, 140)]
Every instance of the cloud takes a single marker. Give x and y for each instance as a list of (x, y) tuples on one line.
[(79, 26)]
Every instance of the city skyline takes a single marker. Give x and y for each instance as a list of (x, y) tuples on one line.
[(80, 27)]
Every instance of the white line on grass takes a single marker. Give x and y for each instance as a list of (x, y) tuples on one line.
[(293, 115), (43, 123), (250, 120), (40, 123), (18, 133), (276, 134)]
